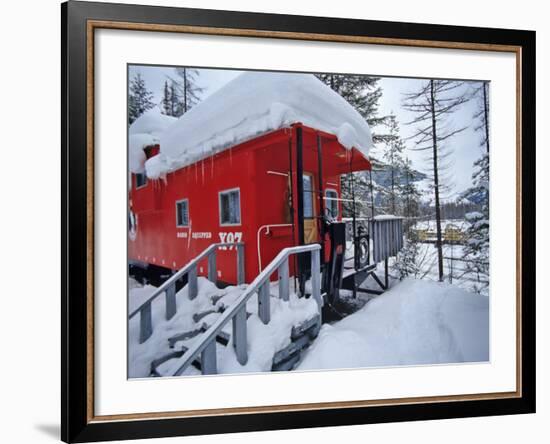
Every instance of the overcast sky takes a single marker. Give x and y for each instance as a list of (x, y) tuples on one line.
[(465, 145)]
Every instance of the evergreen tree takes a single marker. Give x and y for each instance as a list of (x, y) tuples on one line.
[(393, 155), (166, 100), (433, 103), (185, 90), (409, 263), (476, 250), (176, 108), (140, 99), (410, 196), (363, 93)]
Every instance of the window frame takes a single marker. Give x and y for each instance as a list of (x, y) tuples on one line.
[(311, 193), (177, 213), (227, 191), (337, 197)]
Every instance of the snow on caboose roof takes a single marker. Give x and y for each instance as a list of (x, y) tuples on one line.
[(253, 104), (143, 132)]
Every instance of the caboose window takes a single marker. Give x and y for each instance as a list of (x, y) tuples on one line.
[(182, 213), (141, 180), (230, 207), (331, 203), (308, 196)]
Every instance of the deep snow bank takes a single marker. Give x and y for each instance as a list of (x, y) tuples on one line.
[(415, 322), (252, 104)]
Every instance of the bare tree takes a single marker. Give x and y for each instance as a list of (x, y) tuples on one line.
[(433, 103)]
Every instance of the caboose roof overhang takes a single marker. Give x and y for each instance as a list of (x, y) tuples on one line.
[(257, 103)]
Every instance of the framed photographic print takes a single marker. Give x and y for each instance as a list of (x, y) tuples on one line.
[(276, 221)]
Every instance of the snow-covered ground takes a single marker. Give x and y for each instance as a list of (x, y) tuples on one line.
[(263, 340), (415, 322)]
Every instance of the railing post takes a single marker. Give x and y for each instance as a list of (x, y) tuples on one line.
[(316, 277), (240, 264), (283, 280), (212, 266), (208, 359), (192, 287), (239, 336), (170, 298), (145, 323), (264, 310)]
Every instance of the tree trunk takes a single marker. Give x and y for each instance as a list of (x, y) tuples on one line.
[(436, 185)]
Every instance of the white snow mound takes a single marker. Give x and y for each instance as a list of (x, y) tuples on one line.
[(143, 132), (252, 104), (416, 322)]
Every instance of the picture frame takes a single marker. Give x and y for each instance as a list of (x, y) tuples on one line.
[(80, 20)]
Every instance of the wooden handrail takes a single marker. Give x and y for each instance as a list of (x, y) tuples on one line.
[(169, 286), (237, 312)]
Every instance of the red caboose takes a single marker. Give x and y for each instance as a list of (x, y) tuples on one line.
[(258, 162)]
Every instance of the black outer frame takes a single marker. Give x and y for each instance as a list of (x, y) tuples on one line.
[(74, 423)]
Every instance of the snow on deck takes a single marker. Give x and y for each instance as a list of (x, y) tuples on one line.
[(415, 322), (143, 132), (263, 340), (253, 104)]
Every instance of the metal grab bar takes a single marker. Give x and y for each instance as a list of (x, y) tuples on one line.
[(206, 346), (169, 286)]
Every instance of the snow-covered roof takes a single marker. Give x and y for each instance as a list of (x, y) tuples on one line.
[(253, 104), (143, 132)]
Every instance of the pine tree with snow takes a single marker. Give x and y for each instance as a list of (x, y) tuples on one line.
[(476, 250), (409, 262), (140, 99), (433, 103)]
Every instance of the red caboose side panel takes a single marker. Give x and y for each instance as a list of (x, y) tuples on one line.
[(243, 194), (159, 238)]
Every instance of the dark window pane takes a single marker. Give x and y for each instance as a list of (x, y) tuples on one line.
[(182, 213), (230, 207), (141, 180)]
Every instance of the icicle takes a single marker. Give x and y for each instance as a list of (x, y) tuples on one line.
[(211, 167), (202, 170), (196, 173)]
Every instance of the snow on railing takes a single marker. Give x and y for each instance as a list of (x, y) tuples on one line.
[(169, 287), (206, 346)]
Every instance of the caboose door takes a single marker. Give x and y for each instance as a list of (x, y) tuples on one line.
[(311, 234)]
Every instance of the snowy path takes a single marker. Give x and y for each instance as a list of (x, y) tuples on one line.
[(415, 322)]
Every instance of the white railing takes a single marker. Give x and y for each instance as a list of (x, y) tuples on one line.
[(206, 346), (169, 287)]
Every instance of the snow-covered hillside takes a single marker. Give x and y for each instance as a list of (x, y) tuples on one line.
[(415, 322)]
